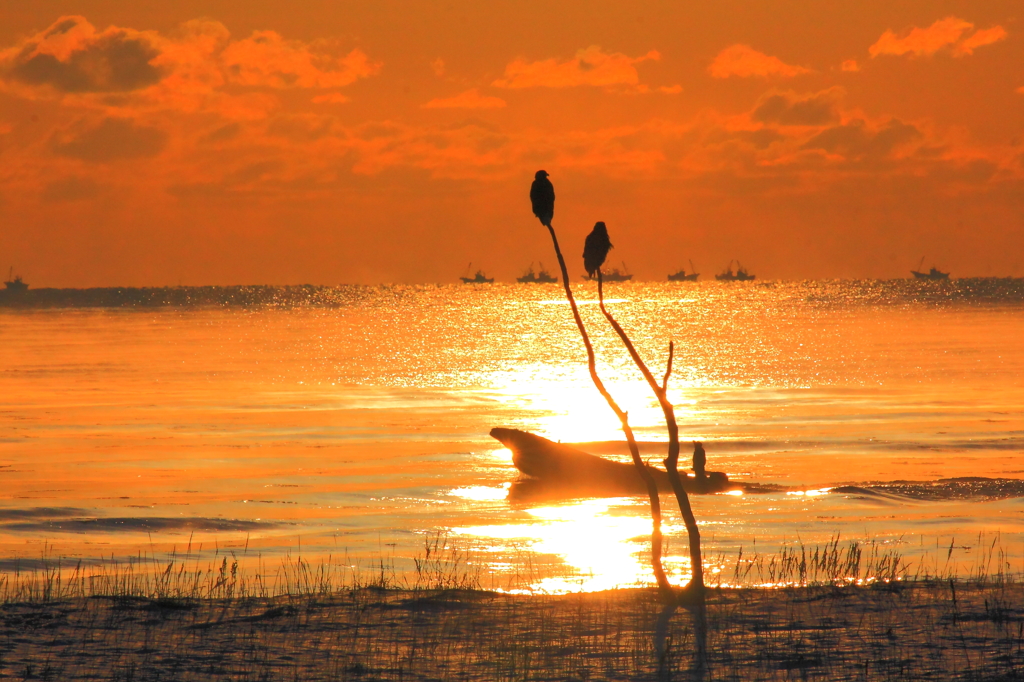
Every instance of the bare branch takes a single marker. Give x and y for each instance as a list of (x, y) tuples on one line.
[(657, 541), (668, 367), (672, 461)]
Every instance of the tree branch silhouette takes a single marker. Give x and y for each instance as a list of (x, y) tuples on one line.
[(657, 541), (692, 596)]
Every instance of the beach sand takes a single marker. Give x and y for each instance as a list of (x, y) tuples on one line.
[(903, 631)]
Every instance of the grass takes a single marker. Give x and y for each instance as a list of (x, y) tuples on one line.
[(840, 611)]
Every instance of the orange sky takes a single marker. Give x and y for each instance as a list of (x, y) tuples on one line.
[(217, 142)]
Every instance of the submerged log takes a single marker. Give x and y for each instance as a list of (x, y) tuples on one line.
[(566, 467)]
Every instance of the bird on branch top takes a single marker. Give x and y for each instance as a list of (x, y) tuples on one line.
[(542, 195), (596, 248)]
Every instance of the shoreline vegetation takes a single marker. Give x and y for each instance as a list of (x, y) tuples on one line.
[(974, 289), (841, 611)]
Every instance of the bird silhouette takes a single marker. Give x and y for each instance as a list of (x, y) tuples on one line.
[(542, 195), (596, 248), (700, 459)]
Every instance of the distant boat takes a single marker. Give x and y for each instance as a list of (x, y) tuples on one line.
[(683, 276), (741, 274), (14, 283), (478, 278), (934, 273), (542, 277), (613, 275)]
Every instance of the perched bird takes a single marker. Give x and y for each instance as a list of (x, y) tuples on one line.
[(542, 195), (596, 248), (700, 459)]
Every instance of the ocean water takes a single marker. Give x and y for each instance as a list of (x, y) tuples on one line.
[(353, 422)]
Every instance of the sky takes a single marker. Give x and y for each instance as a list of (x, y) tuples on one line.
[(263, 142)]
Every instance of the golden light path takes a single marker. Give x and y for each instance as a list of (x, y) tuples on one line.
[(604, 541), (572, 411)]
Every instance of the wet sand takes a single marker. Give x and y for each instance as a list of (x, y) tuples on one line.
[(903, 631)]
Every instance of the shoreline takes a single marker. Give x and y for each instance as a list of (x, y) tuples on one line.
[(934, 630)]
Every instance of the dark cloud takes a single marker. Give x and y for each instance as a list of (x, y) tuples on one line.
[(71, 188), (977, 171), (255, 171), (111, 63), (758, 139), (222, 134), (373, 131), (301, 128), (61, 27), (789, 109), (855, 140), (113, 139)]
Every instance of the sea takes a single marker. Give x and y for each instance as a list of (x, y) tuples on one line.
[(351, 424)]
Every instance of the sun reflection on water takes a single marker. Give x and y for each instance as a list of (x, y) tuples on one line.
[(569, 409), (481, 493), (810, 493), (603, 546)]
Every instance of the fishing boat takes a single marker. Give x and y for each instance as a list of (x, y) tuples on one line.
[(478, 278), (613, 275), (934, 273), (684, 276), (14, 283), (563, 466), (542, 277), (740, 275)]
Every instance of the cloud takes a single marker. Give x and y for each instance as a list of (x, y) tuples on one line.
[(850, 65), (192, 69), (744, 61), (590, 67), (857, 140), (437, 66), (787, 108), (980, 39), (470, 99), (222, 134), (113, 139), (953, 34), (266, 59), (71, 57)]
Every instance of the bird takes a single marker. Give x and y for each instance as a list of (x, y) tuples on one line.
[(700, 459), (595, 249), (542, 195)]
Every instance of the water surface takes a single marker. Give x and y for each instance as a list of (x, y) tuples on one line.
[(354, 420)]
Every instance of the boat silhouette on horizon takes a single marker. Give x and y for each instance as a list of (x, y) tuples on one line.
[(14, 283), (740, 275), (934, 273), (684, 276), (541, 277), (613, 275), (478, 278)]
